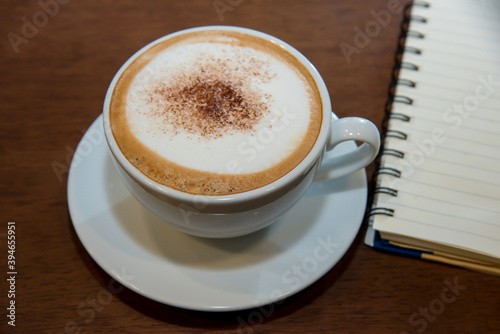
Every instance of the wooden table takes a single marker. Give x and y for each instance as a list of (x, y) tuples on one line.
[(58, 57)]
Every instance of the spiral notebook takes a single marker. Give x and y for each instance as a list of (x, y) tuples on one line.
[(437, 184)]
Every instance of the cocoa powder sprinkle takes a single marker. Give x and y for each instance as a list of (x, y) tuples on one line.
[(210, 98), (208, 107)]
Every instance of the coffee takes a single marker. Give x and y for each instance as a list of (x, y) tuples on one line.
[(215, 112)]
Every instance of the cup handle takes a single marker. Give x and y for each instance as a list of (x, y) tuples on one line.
[(351, 128)]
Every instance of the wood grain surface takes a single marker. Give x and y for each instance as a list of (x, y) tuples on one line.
[(57, 60)]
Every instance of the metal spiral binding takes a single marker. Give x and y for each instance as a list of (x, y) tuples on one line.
[(409, 66), (402, 99), (393, 152), (381, 211), (396, 134), (416, 34), (418, 18), (421, 3), (388, 171), (392, 98), (413, 49), (406, 82), (399, 116), (386, 190)]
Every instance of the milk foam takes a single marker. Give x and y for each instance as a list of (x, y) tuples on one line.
[(278, 102)]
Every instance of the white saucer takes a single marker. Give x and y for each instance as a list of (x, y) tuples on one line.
[(145, 255)]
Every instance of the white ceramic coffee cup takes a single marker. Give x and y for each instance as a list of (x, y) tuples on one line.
[(246, 212)]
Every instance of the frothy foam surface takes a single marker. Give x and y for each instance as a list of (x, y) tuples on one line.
[(216, 105)]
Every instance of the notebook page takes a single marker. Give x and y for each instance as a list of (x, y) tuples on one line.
[(449, 189)]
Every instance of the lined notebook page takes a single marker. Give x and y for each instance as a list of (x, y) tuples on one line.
[(449, 189)]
